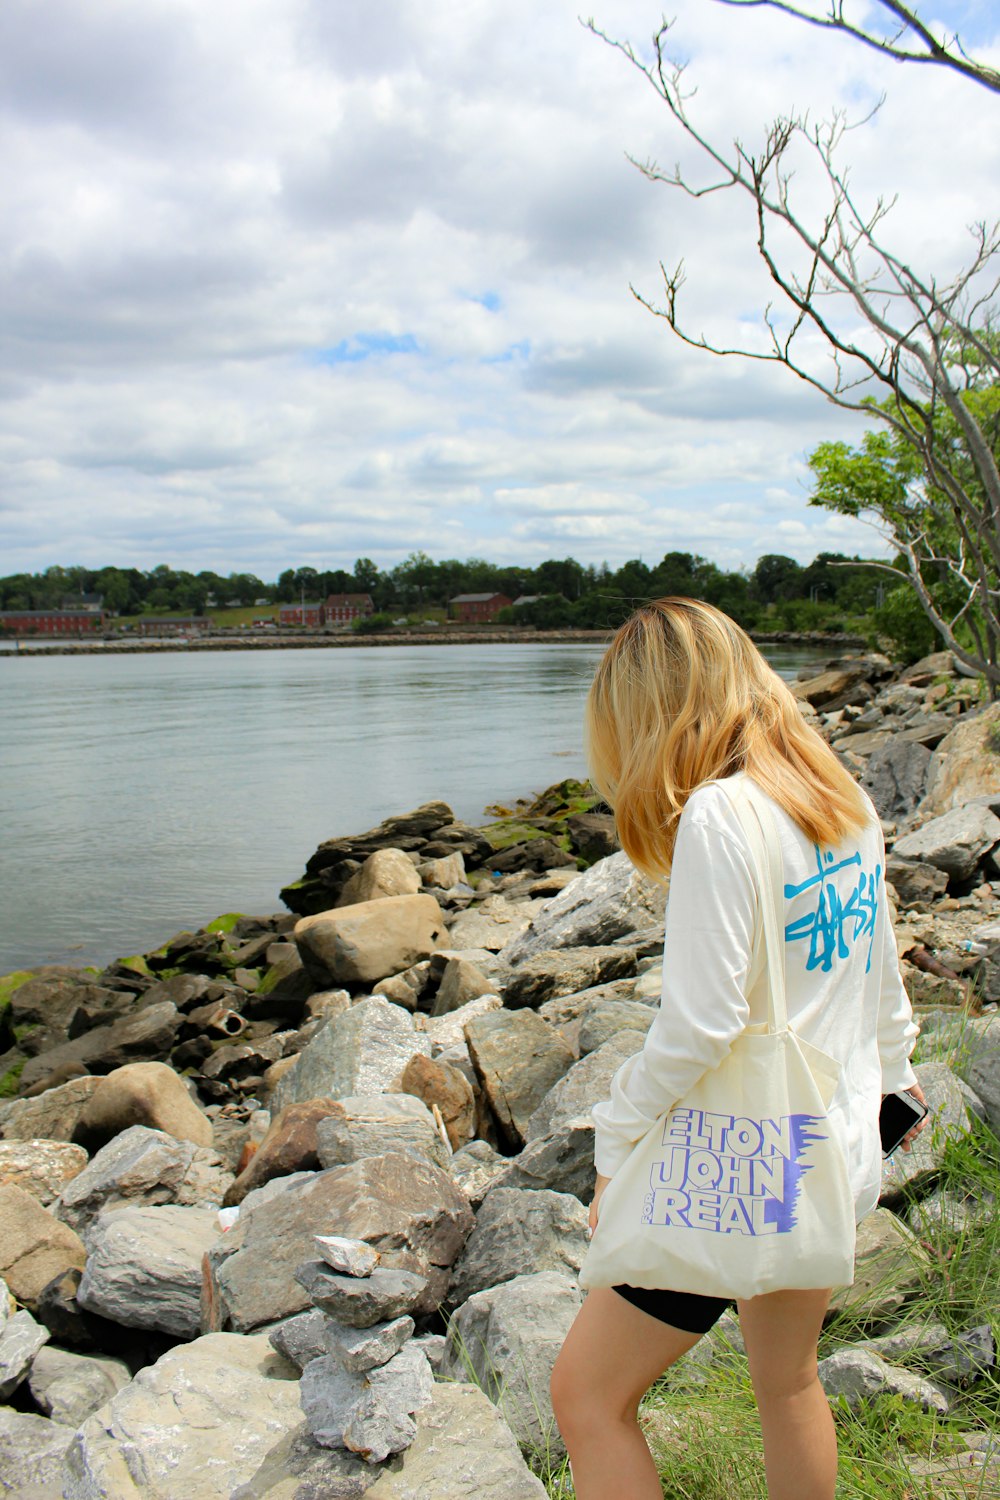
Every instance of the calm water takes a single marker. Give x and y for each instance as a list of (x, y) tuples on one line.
[(141, 795)]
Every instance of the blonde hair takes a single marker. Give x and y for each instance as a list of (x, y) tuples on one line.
[(682, 696)]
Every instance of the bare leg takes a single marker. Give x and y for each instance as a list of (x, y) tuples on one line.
[(611, 1356), (800, 1446)]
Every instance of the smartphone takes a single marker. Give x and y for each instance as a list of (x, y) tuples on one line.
[(897, 1117)]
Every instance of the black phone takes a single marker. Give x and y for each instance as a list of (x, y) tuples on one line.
[(897, 1117)]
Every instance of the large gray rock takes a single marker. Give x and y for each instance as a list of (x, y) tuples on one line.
[(518, 1232), (958, 1359), (370, 940), (517, 1057), (477, 1168), (297, 1468), (371, 1124), (461, 982), (143, 1166), (193, 1426), (144, 1267), (444, 1032), (507, 1338), (42, 1168), (361, 1349), (956, 842), (408, 1209), (69, 1387), (148, 1032), (302, 1338), (585, 1084), (31, 1455), (52, 1116), (565, 971), (602, 1021), (890, 1267), (381, 1421), (606, 902), (953, 1106), (562, 1161), (362, 1301), (858, 1375), (963, 765), (20, 1340), (385, 873), (34, 1246), (361, 1051), (978, 1064), (915, 881), (895, 778), (496, 924)]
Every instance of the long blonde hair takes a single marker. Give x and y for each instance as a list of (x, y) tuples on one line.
[(682, 696)]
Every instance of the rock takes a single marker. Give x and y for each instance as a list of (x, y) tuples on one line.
[(302, 1338), (381, 1422), (562, 1161), (978, 1064), (385, 873), (69, 1387), (443, 873), (859, 1376), (143, 1093), (890, 1266), (510, 1335), (34, 1246), (362, 1301), (560, 971), (593, 835), (369, 941), (461, 982), (328, 1393), (835, 687), (371, 1124), (517, 1058), (352, 1257), (361, 1349), (289, 1146), (463, 1450), (20, 1340), (297, 1468), (143, 1166), (954, 842), (953, 1106), (150, 1030), (494, 924), (406, 989), (601, 1022), (915, 882), (922, 672), (477, 1168), (448, 1031), (566, 1012), (41, 1168), (585, 1084), (31, 1455), (958, 1359), (895, 778), (408, 1209), (144, 1267), (193, 1426), (957, 1213), (443, 1086), (607, 902), (518, 1232), (362, 1051), (52, 1116), (964, 766)]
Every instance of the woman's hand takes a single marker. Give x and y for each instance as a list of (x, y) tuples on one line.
[(907, 1142), (602, 1183)]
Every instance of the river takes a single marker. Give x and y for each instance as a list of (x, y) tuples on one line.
[(142, 795)]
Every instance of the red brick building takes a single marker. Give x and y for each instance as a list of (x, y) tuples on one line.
[(51, 621), (341, 609), (173, 625), (477, 609), (309, 615)]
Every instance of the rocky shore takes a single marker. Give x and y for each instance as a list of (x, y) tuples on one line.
[(294, 1206)]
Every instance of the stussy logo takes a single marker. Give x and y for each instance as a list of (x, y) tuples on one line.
[(729, 1174), (835, 924)]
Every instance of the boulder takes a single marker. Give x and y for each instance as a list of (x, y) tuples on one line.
[(978, 1064), (602, 1021), (362, 1051), (34, 1246), (955, 842), (494, 924), (41, 1168), (953, 1106), (193, 1426), (371, 1124), (593, 835), (297, 1468), (151, 1030), (444, 873), (964, 765), (361, 1349), (890, 1266), (370, 940), (385, 873), (508, 1337), (69, 1387), (477, 1168), (52, 1116), (923, 672), (461, 981), (915, 882), (959, 1359), (443, 1087), (561, 971), (562, 1161), (607, 902), (406, 989), (301, 1338), (362, 1301), (143, 1166), (586, 1083), (858, 1376), (381, 1421), (517, 1057), (289, 1146), (443, 1032), (835, 687), (410, 1210), (518, 1232), (20, 1340), (895, 778), (144, 1267), (31, 1455), (143, 1093)]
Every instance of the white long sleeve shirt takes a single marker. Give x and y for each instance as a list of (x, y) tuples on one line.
[(844, 991)]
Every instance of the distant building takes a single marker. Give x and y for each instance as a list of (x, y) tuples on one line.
[(173, 625), (477, 609), (92, 603), (526, 599), (341, 609), (308, 615), (50, 621)]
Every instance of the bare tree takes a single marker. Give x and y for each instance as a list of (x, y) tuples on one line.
[(926, 352)]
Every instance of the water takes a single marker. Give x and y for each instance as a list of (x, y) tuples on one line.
[(142, 795)]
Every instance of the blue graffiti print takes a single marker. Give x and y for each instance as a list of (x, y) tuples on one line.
[(729, 1174), (835, 923)]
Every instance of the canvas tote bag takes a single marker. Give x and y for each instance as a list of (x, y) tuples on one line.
[(742, 1187)]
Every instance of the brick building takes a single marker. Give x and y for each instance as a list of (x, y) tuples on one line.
[(341, 609), (477, 609), (51, 621), (311, 616)]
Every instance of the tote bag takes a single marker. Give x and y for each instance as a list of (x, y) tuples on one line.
[(742, 1187)]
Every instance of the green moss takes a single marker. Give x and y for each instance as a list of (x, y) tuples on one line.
[(271, 980), (226, 922), (136, 964), (510, 831), (20, 1032), (11, 982), (10, 1080)]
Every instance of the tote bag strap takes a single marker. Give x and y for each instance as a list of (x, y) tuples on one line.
[(757, 822)]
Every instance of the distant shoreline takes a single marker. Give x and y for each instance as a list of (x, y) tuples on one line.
[(246, 642)]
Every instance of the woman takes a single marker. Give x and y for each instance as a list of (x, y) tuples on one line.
[(681, 699)]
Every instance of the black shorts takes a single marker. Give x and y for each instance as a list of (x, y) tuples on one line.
[(687, 1311)]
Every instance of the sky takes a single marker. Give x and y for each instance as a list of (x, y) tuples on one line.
[(292, 282)]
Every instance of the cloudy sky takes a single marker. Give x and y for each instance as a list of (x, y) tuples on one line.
[(298, 281)]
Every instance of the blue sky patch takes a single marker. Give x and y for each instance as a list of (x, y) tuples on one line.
[(361, 346)]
